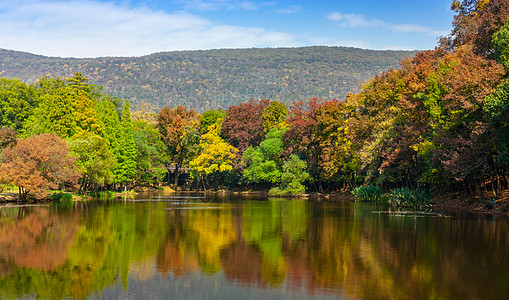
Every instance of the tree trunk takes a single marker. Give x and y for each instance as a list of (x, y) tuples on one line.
[(176, 178)]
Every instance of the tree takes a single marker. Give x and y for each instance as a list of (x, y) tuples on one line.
[(293, 175), (475, 23), (209, 118), (16, 103), (126, 167), (274, 116), (150, 160), (243, 125), (38, 163), (215, 154), (7, 137), (263, 163), (501, 45), (179, 130), (94, 160)]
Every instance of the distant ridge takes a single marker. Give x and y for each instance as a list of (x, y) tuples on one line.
[(208, 79)]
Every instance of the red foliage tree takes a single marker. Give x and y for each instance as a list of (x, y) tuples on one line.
[(243, 124)]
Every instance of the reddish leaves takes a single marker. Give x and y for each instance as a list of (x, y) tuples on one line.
[(37, 164)]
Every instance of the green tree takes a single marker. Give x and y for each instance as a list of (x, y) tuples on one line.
[(126, 167), (17, 100), (501, 45), (94, 160), (263, 163), (293, 175), (151, 157)]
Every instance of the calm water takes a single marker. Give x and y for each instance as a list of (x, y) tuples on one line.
[(190, 247)]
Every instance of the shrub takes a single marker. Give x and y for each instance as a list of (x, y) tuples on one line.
[(60, 196), (405, 197), (368, 193)]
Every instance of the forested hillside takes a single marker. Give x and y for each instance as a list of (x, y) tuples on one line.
[(210, 79)]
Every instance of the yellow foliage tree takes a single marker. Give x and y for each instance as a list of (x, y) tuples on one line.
[(216, 154)]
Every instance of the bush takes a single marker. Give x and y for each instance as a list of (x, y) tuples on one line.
[(60, 196), (369, 193), (405, 197)]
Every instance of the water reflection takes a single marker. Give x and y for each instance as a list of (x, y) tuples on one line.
[(191, 247)]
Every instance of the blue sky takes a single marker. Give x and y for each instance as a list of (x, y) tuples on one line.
[(87, 28)]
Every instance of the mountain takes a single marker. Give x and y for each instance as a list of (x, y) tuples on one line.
[(209, 79)]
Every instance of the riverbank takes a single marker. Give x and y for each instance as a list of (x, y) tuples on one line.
[(454, 205)]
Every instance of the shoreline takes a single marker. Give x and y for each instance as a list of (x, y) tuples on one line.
[(455, 206)]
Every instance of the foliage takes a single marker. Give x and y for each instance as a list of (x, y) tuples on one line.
[(127, 152), (215, 154), (369, 193), (16, 103), (263, 163), (94, 160), (293, 175), (37, 164), (274, 116), (243, 125), (150, 161), (213, 79), (405, 197), (7, 137), (475, 23), (179, 130), (60, 196), (209, 118), (501, 45)]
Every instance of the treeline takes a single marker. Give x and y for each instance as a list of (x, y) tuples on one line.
[(439, 124), (212, 79), (67, 134)]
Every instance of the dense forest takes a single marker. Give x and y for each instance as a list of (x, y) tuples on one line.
[(437, 125), (212, 79)]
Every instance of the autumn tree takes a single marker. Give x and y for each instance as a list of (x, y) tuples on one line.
[(37, 164), (475, 23), (179, 130), (243, 125), (215, 156), (7, 137), (209, 118), (274, 116)]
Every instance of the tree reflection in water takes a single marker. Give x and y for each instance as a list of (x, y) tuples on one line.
[(308, 248)]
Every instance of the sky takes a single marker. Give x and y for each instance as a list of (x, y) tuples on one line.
[(98, 28)]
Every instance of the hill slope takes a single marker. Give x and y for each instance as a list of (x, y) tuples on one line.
[(215, 78)]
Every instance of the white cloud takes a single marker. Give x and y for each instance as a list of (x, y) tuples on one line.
[(207, 5), (89, 29), (353, 20), (357, 20), (292, 9)]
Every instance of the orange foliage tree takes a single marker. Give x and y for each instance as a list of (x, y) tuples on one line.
[(37, 164)]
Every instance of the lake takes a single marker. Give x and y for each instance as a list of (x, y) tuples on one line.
[(188, 246)]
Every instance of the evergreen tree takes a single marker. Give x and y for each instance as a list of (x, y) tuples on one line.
[(126, 168)]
